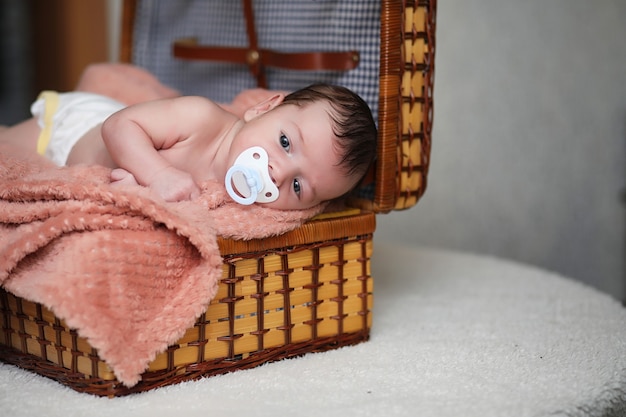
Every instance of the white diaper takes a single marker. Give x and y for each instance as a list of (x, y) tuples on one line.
[(65, 117)]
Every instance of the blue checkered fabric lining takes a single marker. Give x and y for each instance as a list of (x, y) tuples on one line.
[(281, 25)]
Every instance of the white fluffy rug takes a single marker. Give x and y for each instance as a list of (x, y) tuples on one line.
[(454, 335)]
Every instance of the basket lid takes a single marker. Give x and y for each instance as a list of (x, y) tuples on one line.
[(405, 112)]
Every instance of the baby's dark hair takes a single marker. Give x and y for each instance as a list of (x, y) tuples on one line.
[(353, 124)]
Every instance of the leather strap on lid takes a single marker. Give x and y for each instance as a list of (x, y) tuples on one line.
[(258, 59), (253, 56)]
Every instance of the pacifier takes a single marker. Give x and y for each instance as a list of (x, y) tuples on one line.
[(248, 180)]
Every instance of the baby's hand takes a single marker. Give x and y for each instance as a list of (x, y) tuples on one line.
[(175, 185), (120, 176)]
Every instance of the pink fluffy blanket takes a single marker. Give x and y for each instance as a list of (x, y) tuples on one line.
[(129, 272)]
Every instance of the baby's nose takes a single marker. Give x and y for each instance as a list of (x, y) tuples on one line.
[(279, 173), (270, 171)]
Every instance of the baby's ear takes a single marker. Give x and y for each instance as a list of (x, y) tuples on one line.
[(263, 107)]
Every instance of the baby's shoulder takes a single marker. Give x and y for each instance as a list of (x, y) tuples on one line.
[(195, 101), (203, 106)]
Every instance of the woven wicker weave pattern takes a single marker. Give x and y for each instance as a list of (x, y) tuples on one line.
[(406, 94)]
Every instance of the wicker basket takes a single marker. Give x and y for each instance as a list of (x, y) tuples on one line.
[(306, 291)]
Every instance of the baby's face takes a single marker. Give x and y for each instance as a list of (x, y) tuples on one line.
[(303, 162)]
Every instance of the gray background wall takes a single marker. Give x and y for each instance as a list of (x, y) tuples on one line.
[(529, 142)]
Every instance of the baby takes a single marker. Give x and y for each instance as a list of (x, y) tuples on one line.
[(288, 152)]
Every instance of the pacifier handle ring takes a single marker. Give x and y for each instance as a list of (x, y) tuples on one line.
[(246, 201), (250, 176)]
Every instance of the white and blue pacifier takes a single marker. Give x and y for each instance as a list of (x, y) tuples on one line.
[(248, 180)]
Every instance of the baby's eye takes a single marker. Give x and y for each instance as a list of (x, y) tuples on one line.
[(296, 187), (284, 142)]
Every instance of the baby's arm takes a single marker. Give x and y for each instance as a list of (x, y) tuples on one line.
[(135, 135)]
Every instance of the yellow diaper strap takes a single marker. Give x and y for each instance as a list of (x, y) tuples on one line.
[(50, 103)]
